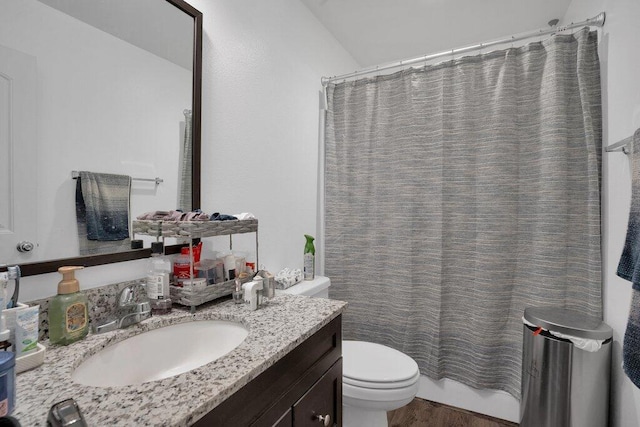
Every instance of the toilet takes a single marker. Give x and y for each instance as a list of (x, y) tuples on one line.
[(375, 378)]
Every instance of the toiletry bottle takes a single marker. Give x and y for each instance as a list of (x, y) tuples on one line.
[(238, 295), (4, 331), (158, 280), (7, 383), (182, 266), (229, 267), (68, 311), (309, 258)]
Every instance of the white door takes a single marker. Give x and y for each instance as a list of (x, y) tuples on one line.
[(18, 162)]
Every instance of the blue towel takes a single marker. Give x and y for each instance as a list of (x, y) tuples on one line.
[(629, 265), (102, 203), (629, 269), (631, 344)]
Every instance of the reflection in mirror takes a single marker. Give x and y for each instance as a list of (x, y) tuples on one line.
[(108, 87)]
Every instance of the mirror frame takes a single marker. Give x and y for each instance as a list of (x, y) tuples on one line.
[(31, 269)]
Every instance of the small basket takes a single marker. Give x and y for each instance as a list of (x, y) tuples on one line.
[(193, 297), (187, 229)]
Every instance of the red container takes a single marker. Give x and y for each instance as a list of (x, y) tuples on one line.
[(182, 267)]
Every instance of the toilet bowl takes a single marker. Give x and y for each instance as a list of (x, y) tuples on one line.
[(375, 378)]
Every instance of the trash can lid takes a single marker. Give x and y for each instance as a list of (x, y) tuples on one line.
[(569, 322)]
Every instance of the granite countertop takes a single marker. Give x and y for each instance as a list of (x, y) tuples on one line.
[(274, 330)]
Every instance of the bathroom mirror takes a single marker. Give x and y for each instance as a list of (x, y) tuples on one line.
[(104, 86)]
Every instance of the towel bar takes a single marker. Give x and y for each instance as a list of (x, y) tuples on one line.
[(76, 175)]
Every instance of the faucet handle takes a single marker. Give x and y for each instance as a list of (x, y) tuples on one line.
[(126, 296), (110, 325)]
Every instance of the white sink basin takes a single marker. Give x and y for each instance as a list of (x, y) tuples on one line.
[(160, 353)]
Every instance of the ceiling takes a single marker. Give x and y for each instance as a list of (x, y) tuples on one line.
[(376, 32)]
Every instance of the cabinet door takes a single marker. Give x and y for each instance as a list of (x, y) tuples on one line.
[(18, 155), (286, 420), (322, 404)]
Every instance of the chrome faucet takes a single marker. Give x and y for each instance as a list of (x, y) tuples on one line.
[(128, 312)]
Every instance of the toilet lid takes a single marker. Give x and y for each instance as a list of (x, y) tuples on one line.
[(367, 362)]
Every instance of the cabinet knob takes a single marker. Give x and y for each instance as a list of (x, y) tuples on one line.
[(326, 419), (25, 246)]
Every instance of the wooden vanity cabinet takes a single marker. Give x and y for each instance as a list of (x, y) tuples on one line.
[(301, 389), (322, 402)]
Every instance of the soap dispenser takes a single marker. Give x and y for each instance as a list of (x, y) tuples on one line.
[(68, 311), (252, 294)]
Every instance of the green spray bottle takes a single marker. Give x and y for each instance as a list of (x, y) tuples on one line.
[(309, 258)]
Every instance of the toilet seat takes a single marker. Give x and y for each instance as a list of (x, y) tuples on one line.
[(381, 385), (375, 366)]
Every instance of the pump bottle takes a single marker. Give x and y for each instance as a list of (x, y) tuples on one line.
[(158, 280), (68, 311)]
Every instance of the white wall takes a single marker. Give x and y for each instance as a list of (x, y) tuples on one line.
[(619, 52), (262, 67)]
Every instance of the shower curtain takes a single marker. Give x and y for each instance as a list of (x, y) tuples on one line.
[(458, 194)]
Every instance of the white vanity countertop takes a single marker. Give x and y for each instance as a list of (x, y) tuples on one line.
[(274, 330)]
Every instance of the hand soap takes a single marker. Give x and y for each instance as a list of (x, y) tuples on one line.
[(68, 311)]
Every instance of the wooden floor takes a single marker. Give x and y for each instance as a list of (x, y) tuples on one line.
[(423, 413)]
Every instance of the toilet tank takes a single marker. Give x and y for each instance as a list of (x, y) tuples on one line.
[(318, 287)]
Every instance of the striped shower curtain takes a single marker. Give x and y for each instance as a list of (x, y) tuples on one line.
[(460, 193)]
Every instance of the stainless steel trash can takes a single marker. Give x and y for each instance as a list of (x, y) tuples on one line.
[(562, 384)]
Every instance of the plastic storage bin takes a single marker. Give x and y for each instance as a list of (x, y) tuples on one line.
[(565, 381), (7, 382)]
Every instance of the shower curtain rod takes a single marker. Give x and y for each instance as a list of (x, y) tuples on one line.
[(597, 21)]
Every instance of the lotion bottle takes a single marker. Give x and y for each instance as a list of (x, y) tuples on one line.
[(68, 311)]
